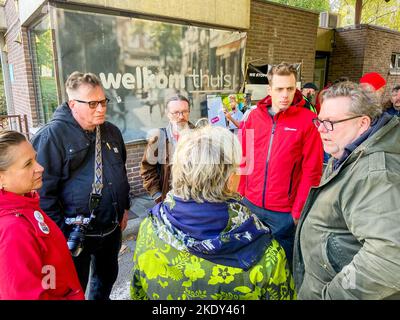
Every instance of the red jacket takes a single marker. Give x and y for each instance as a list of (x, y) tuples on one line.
[(284, 164), (35, 262)]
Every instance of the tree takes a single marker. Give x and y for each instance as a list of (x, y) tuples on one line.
[(167, 40), (317, 5), (383, 13)]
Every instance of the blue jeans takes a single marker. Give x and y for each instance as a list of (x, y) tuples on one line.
[(281, 224)]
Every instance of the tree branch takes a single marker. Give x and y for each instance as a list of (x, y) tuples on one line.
[(382, 15), (364, 3)]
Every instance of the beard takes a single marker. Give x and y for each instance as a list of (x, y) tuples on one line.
[(179, 126)]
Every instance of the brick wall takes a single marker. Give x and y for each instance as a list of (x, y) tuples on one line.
[(381, 43), (364, 49), (347, 57), (134, 156), (18, 57), (279, 33)]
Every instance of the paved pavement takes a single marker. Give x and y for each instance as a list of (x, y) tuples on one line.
[(138, 212)]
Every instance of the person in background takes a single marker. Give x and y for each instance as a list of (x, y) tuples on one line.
[(235, 115), (201, 242), (374, 82), (309, 90), (284, 153), (35, 263), (393, 107), (85, 186), (347, 241), (155, 167)]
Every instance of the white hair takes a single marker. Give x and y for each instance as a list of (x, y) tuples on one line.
[(203, 162)]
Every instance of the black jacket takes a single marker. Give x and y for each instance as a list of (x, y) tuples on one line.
[(66, 152)]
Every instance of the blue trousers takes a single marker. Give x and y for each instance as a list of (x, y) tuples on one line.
[(281, 224)]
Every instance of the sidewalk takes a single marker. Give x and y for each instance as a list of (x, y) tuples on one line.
[(137, 212)]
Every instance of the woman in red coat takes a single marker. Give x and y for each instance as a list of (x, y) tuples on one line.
[(35, 262)]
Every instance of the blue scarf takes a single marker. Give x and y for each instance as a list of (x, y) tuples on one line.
[(225, 233)]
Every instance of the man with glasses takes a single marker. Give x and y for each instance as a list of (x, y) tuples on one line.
[(347, 241), (155, 168), (85, 188)]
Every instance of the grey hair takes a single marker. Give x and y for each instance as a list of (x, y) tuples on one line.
[(203, 162), (8, 139), (363, 102), (177, 97), (76, 79)]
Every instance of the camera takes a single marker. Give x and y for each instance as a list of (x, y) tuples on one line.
[(77, 236), (75, 240), (81, 225)]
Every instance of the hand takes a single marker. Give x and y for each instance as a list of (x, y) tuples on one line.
[(124, 221), (158, 200), (227, 115)]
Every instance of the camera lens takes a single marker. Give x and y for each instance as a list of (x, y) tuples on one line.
[(75, 240)]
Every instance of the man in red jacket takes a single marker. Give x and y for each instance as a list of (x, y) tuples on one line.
[(282, 156)]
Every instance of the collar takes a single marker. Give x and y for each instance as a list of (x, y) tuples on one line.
[(226, 233), (375, 126)]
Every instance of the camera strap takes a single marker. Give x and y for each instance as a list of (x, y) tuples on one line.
[(97, 186)]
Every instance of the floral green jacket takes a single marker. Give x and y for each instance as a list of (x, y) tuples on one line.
[(163, 272)]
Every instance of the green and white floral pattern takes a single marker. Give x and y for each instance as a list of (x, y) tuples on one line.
[(161, 271)]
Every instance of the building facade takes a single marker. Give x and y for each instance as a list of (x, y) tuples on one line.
[(144, 51), (366, 48)]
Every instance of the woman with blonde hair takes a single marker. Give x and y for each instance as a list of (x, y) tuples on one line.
[(202, 242), (35, 263)]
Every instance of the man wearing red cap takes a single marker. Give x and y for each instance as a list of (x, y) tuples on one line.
[(373, 81)]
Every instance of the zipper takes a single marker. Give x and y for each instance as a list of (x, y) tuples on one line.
[(291, 180), (271, 139)]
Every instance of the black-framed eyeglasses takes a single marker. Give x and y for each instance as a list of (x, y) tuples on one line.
[(178, 113), (328, 125), (94, 104)]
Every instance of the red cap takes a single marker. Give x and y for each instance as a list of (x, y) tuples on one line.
[(374, 79)]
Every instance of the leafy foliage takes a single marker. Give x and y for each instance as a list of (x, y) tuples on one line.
[(3, 105), (376, 12), (317, 5)]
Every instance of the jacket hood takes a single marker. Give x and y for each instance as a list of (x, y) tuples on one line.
[(385, 139), (383, 136), (63, 113), (224, 233), (10, 201), (298, 101)]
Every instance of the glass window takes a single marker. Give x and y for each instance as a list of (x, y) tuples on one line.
[(41, 37), (142, 62), (395, 63), (3, 105)]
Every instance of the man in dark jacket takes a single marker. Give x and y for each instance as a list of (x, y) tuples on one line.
[(308, 92), (155, 168), (85, 188), (394, 107), (286, 159)]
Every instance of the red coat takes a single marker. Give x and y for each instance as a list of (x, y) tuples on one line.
[(295, 157), (35, 262)]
